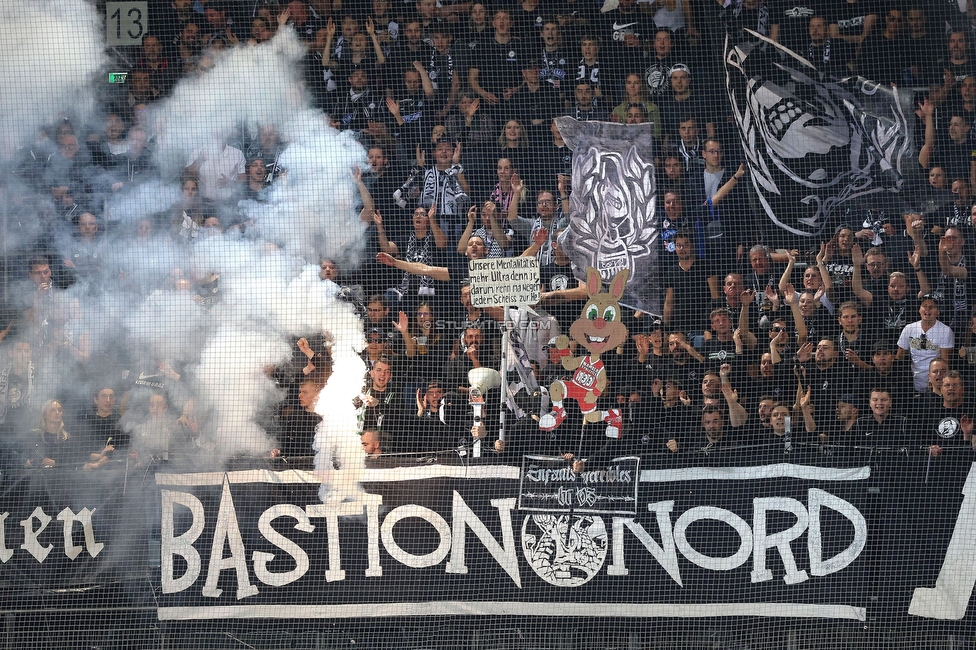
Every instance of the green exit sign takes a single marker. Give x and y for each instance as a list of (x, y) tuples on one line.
[(117, 77)]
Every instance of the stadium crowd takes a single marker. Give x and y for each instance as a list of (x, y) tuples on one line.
[(863, 338)]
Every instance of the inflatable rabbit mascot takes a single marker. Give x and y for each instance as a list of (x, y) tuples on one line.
[(598, 329)]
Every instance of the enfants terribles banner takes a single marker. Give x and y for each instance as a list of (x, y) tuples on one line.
[(632, 538)]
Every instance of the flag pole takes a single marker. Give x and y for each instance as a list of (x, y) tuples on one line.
[(504, 375)]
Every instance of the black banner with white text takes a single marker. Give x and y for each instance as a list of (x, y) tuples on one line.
[(892, 536)]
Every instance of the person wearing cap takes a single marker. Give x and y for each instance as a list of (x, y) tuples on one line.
[(924, 340), (885, 373), (534, 103), (684, 103), (834, 424)]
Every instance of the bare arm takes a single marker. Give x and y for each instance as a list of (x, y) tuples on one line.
[(497, 231), (468, 229), (513, 205), (475, 86), (417, 268), (424, 78), (384, 243), (440, 239), (925, 153), (857, 286), (377, 48), (749, 339), (729, 185)]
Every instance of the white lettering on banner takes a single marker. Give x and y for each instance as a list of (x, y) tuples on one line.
[(31, 545), (85, 518), (331, 512), (447, 533), (228, 531), (451, 539), (297, 553), (172, 545), (949, 599), (739, 525), (780, 541), (465, 518), (665, 552), (416, 561), (5, 553), (819, 567)]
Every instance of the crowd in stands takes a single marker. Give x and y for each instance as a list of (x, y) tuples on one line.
[(862, 338)]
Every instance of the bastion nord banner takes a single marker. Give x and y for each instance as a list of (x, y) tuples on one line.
[(635, 537)]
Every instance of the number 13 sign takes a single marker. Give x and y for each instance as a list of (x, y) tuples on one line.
[(126, 22)]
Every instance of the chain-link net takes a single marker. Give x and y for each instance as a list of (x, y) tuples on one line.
[(520, 325)]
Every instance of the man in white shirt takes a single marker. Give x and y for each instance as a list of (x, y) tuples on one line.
[(925, 340), (220, 170)]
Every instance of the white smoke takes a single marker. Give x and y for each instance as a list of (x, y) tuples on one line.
[(253, 86), (52, 52), (311, 211), (137, 306)]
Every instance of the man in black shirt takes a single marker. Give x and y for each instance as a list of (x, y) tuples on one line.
[(881, 428), (947, 423), (496, 67), (688, 288)]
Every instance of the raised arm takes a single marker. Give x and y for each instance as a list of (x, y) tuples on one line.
[(513, 206), (784, 280), (497, 231), (424, 78), (857, 286), (737, 413), (440, 239), (729, 185), (384, 243), (330, 30), (793, 301), (417, 268), (377, 48), (915, 260), (927, 109), (462, 244), (366, 214)]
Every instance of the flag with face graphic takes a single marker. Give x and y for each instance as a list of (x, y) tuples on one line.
[(612, 222), (813, 144)]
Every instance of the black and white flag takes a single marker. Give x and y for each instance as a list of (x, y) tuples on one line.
[(811, 143), (612, 224)]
